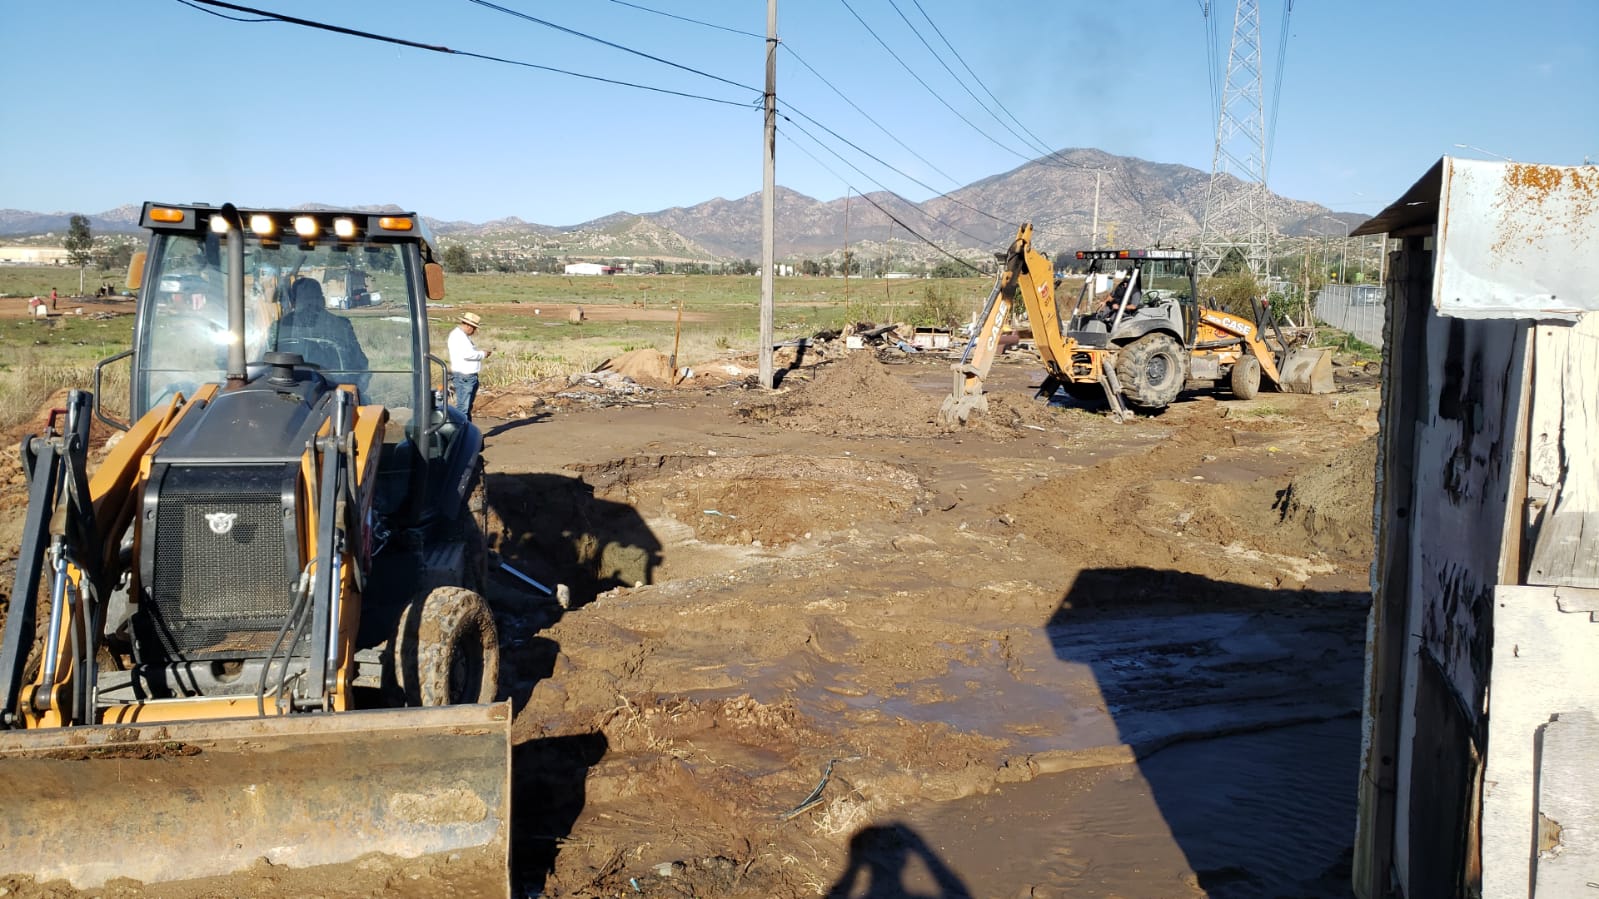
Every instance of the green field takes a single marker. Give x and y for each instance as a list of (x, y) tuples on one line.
[(723, 313)]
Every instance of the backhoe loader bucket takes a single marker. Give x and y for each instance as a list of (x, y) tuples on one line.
[(1307, 371), (181, 800)]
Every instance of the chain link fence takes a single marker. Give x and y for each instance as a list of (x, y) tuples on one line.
[(1355, 308)]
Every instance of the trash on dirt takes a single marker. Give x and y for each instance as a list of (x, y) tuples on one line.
[(816, 795), (931, 338), (524, 578)]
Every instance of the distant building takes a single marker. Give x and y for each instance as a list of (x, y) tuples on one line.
[(591, 268), (33, 256)]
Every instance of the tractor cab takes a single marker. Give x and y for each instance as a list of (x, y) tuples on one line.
[(1130, 293), (338, 296)]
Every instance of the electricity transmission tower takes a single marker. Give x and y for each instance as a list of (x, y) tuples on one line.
[(1239, 219)]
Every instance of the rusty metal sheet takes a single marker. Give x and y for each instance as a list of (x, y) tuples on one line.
[(180, 800), (1517, 240)]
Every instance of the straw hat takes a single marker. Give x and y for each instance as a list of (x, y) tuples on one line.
[(468, 318)]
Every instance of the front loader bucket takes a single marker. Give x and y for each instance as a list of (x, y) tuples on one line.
[(1307, 371), (182, 800)]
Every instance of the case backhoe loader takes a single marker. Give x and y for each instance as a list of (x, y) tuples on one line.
[(1140, 345), (254, 630)]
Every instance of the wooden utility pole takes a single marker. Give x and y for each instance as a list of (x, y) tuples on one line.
[(768, 196)]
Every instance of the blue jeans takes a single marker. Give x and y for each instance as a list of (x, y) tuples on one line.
[(465, 392)]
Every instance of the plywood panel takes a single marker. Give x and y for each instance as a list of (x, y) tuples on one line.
[(1545, 662)]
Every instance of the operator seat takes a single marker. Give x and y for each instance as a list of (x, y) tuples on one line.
[(321, 338)]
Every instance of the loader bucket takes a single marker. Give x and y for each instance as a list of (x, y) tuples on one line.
[(1307, 371), (182, 800)]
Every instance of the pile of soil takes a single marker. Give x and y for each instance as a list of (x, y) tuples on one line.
[(1333, 502), (647, 366), (854, 397)]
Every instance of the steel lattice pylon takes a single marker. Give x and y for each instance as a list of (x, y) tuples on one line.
[(1239, 219)]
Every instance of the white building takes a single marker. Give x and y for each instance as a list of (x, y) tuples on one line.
[(33, 255), (586, 268)]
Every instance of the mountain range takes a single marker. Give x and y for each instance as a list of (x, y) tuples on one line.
[(1140, 202)]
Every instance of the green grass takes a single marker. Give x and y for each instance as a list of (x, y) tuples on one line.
[(1348, 344), (724, 316), (36, 280)]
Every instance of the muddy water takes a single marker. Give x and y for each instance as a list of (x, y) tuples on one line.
[(1254, 815)]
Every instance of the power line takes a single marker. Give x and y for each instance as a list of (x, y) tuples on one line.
[(1032, 143), (913, 179), (997, 102), (1277, 83), (891, 216), (222, 15), (687, 19), (879, 184), (882, 187), (797, 58), (935, 94), (436, 48), (612, 44)]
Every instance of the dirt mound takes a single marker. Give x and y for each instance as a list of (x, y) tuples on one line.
[(1333, 502), (647, 366), (507, 405), (854, 397)]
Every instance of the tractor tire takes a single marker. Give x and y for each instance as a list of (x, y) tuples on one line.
[(1152, 370), (447, 650), (1245, 378)]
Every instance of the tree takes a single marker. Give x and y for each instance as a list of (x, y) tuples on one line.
[(79, 245), (116, 256), (457, 258), (79, 242)]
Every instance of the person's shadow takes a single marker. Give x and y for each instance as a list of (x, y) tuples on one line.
[(892, 861), (515, 423)]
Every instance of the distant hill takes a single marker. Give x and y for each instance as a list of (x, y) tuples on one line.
[(1140, 202)]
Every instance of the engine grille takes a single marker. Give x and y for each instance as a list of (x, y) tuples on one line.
[(221, 584)]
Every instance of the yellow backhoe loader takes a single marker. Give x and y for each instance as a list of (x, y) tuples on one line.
[(1138, 346), (254, 630)]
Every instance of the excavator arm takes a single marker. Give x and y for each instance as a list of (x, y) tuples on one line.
[(1028, 277)]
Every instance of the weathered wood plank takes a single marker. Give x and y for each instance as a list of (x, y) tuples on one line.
[(1545, 662), (1567, 863), (1549, 369), (1567, 547)]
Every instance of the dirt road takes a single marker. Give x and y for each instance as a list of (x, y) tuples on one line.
[(820, 645), (816, 638)]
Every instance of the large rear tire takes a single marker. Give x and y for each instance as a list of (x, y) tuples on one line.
[(1246, 377), (447, 650), (1152, 370)]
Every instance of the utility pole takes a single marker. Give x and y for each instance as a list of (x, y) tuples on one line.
[(769, 197), (1093, 239)]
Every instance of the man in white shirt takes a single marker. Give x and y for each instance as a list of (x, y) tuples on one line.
[(466, 360)]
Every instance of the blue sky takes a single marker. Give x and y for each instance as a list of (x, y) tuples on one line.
[(114, 102)]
